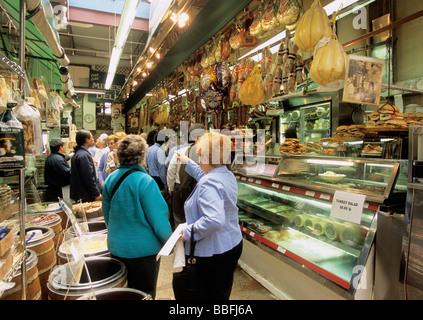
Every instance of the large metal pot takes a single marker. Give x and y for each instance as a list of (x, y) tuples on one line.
[(94, 227), (91, 245), (103, 273), (117, 294)]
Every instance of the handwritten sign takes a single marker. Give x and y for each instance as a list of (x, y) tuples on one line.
[(347, 206)]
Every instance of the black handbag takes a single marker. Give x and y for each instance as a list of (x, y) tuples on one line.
[(186, 282)]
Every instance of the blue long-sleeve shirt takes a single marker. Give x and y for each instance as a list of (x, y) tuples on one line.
[(156, 162), (137, 215), (101, 171), (211, 209)]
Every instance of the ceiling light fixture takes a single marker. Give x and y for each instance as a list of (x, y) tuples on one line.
[(128, 15)]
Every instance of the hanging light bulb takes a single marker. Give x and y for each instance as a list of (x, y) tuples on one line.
[(134, 83), (151, 49), (138, 69), (144, 74), (158, 55), (174, 17), (183, 18), (149, 64)]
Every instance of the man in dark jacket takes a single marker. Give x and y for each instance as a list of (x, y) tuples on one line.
[(83, 184), (57, 171)]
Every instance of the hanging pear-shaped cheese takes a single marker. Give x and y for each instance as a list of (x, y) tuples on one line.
[(313, 26), (328, 62)]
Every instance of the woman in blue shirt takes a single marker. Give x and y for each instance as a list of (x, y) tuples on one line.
[(212, 213), (136, 216)]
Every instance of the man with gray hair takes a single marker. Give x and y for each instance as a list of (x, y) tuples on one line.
[(180, 184), (101, 144), (57, 170)]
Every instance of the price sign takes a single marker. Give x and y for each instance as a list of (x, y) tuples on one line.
[(347, 206)]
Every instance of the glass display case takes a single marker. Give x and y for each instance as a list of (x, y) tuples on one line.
[(311, 122), (301, 228), (290, 213), (378, 180), (381, 180)]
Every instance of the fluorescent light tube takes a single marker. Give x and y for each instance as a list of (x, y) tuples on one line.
[(331, 162), (126, 19)]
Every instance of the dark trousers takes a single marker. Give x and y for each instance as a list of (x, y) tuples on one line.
[(178, 205), (159, 182), (216, 274), (142, 273)]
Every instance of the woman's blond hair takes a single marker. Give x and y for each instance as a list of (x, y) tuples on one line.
[(215, 148)]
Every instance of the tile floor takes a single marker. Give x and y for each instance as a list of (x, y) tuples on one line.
[(244, 288)]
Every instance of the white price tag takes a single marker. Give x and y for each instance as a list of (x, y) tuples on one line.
[(324, 196), (347, 206), (282, 250), (310, 193), (286, 188), (74, 252), (275, 185)]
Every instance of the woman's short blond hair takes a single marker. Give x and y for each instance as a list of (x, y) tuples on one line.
[(131, 150), (214, 148)]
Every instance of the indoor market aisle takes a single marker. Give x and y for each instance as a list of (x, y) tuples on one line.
[(244, 288)]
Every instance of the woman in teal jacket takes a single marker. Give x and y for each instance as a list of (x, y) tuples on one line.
[(136, 216)]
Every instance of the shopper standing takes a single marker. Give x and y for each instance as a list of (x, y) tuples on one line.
[(57, 171), (112, 160), (101, 171), (180, 183), (212, 214), (156, 163), (136, 216), (83, 183)]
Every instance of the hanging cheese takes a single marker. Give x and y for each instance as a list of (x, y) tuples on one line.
[(329, 61), (252, 91), (313, 26)]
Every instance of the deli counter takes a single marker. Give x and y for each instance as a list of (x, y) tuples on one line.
[(294, 242)]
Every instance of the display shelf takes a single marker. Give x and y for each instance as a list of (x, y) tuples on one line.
[(341, 282)]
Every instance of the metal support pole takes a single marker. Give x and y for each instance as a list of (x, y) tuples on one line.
[(22, 171)]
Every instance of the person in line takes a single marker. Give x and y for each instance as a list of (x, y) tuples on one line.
[(136, 216), (112, 160), (156, 163), (180, 183), (150, 137), (83, 182), (212, 213), (101, 144), (101, 171), (57, 171)]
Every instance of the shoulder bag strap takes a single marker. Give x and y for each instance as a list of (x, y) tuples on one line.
[(191, 259), (127, 173)]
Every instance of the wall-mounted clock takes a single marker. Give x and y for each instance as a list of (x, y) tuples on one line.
[(89, 118)]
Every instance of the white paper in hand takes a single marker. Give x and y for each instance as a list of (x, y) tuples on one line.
[(179, 255), (171, 242)]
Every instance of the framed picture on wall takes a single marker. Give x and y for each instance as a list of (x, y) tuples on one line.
[(363, 80)]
